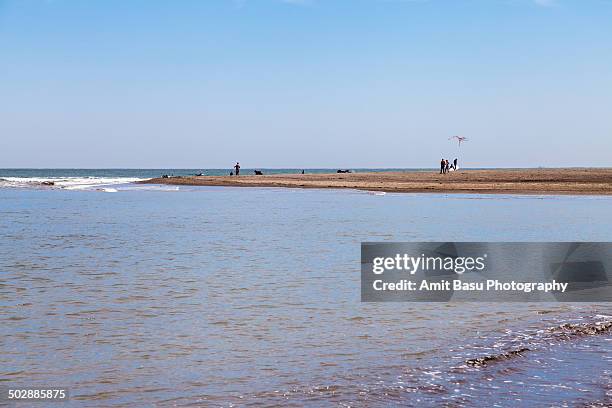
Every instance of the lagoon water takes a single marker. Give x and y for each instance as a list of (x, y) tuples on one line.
[(213, 296)]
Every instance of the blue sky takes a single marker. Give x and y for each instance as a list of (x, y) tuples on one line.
[(305, 83)]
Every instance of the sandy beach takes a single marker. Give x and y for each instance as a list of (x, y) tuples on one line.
[(583, 181)]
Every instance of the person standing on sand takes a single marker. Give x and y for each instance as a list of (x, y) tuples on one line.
[(237, 167), (447, 166), (455, 164), (442, 166)]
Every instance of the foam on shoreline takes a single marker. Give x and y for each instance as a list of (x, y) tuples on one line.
[(67, 183)]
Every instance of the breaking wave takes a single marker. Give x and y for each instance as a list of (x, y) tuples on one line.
[(68, 183)]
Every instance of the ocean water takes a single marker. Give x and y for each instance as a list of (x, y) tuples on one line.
[(214, 296), (106, 179)]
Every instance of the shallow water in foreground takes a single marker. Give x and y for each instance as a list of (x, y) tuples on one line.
[(217, 296)]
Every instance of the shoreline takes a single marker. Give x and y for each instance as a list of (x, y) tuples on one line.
[(561, 181)]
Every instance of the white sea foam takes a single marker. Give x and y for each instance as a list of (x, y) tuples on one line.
[(67, 183), (150, 187)]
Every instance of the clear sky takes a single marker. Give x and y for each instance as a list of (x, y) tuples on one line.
[(319, 83)]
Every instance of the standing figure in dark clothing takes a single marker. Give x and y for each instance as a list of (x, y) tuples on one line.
[(447, 166), (442, 166), (237, 167), (455, 164)]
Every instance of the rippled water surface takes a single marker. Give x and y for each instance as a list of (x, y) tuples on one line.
[(217, 296)]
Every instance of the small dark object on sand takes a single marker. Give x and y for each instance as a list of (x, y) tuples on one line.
[(199, 174), (48, 183), (258, 172), (343, 171), (165, 176)]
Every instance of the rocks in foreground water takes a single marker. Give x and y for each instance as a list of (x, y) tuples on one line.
[(483, 361), (566, 331)]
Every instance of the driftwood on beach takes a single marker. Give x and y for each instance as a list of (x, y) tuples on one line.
[(587, 181)]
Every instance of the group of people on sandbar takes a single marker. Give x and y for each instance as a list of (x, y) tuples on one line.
[(256, 172), (237, 169), (446, 166)]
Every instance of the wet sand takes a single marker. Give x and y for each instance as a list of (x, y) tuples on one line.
[(584, 181)]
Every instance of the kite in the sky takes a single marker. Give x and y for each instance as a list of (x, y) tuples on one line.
[(459, 139)]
